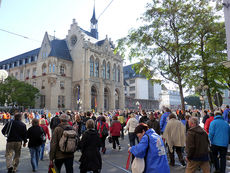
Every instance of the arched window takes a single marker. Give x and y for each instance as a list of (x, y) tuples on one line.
[(50, 68), (104, 70), (62, 69), (114, 72), (108, 71), (44, 68), (53, 68), (97, 68), (91, 66), (118, 74)]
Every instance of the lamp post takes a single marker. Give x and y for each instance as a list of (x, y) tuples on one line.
[(201, 89)]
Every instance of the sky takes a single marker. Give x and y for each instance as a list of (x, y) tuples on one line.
[(32, 18)]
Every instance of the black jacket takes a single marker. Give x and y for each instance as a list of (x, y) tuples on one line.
[(144, 119), (90, 145), (55, 121), (17, 132), (155, 125), (33, 134)]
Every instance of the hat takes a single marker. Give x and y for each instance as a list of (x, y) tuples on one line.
[(57, 113)]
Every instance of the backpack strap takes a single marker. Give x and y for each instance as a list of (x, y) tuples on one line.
[(145, 158)]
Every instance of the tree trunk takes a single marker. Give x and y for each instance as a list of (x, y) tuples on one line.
[(210, 100), (181, 97)]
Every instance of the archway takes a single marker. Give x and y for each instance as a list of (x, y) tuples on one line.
[(77, 97), (93, 98), (106, 99)]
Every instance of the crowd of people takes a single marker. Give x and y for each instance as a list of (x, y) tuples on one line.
[(153, 136)]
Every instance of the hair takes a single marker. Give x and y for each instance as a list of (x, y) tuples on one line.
[(90, 124), (172, 115), (115, 117), (17, 116), (132, 115), (88, 114), (194, 120), (35, 122), (218, 113), (227, 106), (167, 110), (77, 117), (140, 128), (64, 118), (43, 121), (103, 119)]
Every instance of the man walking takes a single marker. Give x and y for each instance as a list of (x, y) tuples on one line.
[(164, 119), (225, 114), (219, 132), (197, 144), (16, 133)]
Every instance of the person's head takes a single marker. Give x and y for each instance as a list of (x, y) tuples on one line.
[(18, 116), (35, 122), (132, 115), (205, 112), (193, 122), (88, 114), (172, 115), (140, 130), (227, 106), (167, 110), (42, 121), (103, 119), (218, 113), (187, 116), (77, 118), (90, 124), (64, 118)]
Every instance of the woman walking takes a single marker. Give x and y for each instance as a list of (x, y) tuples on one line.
[(90, 146), (102, 128), (115, 132), (46, 130), (34, 134)]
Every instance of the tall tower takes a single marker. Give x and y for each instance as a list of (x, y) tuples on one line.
[(93, 22)]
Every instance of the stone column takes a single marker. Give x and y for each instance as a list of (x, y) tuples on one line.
[(122, 98)]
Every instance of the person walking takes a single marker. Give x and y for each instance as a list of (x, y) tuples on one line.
[(100, 127), (219, 135), (89, 145), (16, 134), (44, 126), (174, 134), (151, 148), (130, 127), (208, 122), (225, 114), (58, 157), (197, 148), (206, 116), (115, 132), (154, 123), (164, 119), (55, 121), (34, 135)]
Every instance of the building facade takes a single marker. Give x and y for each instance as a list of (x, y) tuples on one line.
[(170, 99), (140, 92), (79, 72)]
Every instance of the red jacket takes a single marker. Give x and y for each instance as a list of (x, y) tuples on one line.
[(46, 130), (115, 128), (100, 126), (207, 123)]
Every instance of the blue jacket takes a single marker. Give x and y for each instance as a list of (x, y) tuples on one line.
[(164, 121), (219, 132), (156, 161), (225, 115)]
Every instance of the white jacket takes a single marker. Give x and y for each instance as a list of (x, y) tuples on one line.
[(131, 125)]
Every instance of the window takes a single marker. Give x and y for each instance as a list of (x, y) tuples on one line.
[(43, 101), (50, 68), (62, 69), (104, 70), (62, 84), (91, 67), (15, 64), (131, 81), (32, 59), (21, 75), (20, 62), (118, 74), (108, 71), (61, 101), (132, 88), (34, 71), (34, 83), (26, 61), (16, 75), (53, 68), (44, 68), (132, 95), (114, 72), (28, 73), (10, 66), (97, 68)]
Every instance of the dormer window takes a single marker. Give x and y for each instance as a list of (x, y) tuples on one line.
[(62, 69)]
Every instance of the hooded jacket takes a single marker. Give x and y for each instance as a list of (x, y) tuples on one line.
[(197, 144), (164, 120), (156, 161), (219, 132)]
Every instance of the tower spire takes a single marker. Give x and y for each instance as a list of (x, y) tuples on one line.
[(93, 22)]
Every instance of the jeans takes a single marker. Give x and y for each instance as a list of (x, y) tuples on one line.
[(103, 138), (192, 166), (42, 151), (132, 137), (68, 162), (35, 153), (115, 140), (219, 162)]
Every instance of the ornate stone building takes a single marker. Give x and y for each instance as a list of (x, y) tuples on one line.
[(79, 72)]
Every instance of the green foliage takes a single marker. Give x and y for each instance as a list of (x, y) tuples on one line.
[(193, 100), (14, 92)]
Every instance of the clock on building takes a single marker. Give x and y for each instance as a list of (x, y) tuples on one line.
[(73, 40)]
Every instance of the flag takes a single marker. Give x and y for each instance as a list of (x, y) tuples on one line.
[(95, 102)]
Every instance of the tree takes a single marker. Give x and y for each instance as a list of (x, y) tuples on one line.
[(165, 43), (193, 100), (17, 93)]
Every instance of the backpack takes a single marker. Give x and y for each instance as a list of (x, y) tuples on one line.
[(104, 131), (43, 136), (69, 140)]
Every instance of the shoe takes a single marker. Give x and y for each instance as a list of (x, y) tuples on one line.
[(119, 147), (10, 170), (104, 150)]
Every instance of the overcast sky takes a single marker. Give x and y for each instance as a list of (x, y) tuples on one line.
[(32, 18)]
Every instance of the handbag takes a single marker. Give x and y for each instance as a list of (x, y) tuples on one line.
[(51, 169), (110, 139), (43, 136), (138, 165)]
